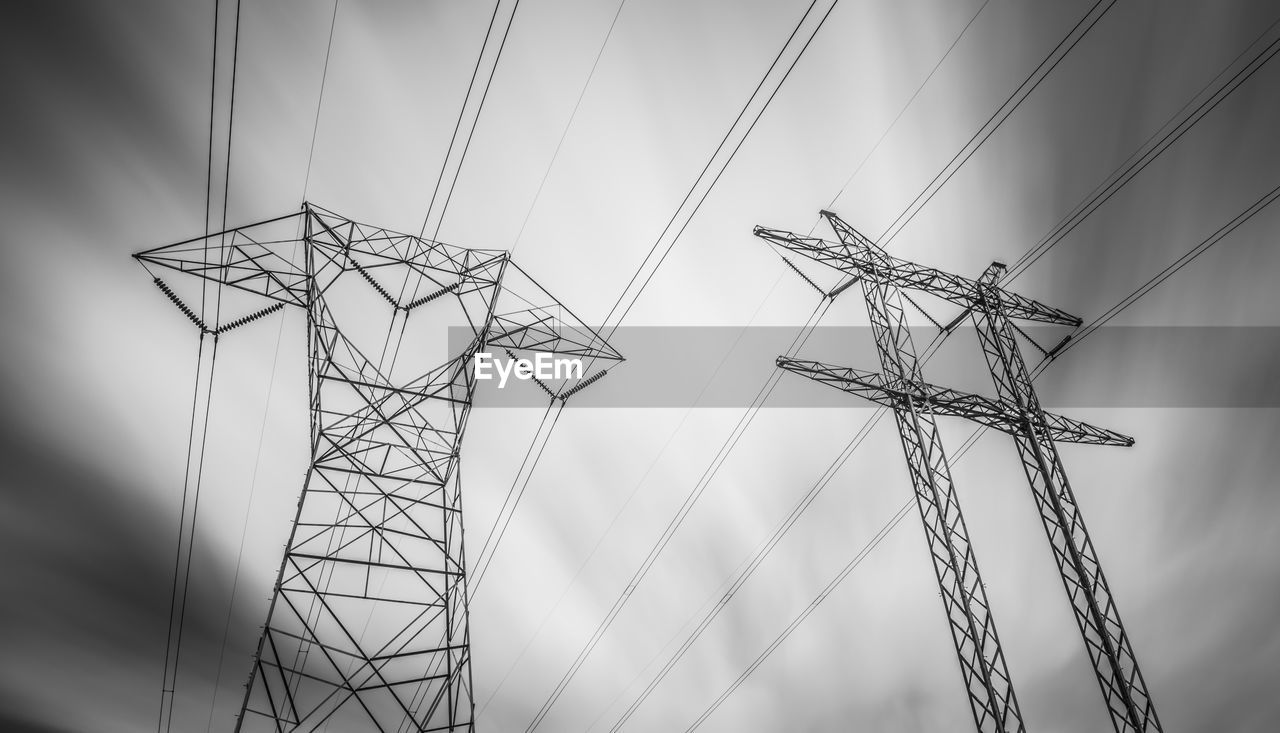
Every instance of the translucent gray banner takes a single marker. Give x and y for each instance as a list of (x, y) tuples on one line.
[(1145, 366)]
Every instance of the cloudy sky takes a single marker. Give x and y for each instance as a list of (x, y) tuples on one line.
[(104, 151)]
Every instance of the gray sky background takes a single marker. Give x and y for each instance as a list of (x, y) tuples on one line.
[(103, 154)]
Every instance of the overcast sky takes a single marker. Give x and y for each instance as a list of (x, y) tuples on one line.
[(103, 153)]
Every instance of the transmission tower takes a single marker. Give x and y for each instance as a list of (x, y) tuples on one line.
[(367, 626), (1017, 411)]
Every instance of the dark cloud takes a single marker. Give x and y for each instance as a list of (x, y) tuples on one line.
[(100, 89), (86, 568)]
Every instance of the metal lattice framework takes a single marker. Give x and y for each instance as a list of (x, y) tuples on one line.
[(1017, 411), (367, 627), (1110, 650)]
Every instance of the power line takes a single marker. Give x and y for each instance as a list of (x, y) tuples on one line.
[(875, 541), (565, 133), (1002, 113), (736, 582), (858, 169), (707, 166), (631, 495), (475, 122), (1164, 274), (752, 563), (508, 508), (1139, 160), (178, 601), (166, 688), (191, 537), (461, 115), (195, 392), (746, 571), (235, 577), (482, 562), (404, 322), (444, 167), (827, 590), (324, 77), (394, 353), (711, 160), (732, 154), (244, 524), (674, 523)]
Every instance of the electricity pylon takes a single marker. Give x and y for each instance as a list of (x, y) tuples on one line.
[(1016, 411), (367, 626)]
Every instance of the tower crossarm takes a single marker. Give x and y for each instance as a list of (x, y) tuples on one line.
[(857, 257), (993, 413), (256, 258), (546, 325), (265, 258)]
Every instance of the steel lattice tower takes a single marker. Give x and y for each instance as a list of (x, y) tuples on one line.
[(1017, 411), (367, 626)]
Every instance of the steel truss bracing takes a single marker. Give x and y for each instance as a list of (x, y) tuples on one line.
[(1110, 650), (1016, 411), (999, 414), (367, 627), (982, 664)]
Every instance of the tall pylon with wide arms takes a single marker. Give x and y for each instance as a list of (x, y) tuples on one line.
[(1015, 410), (367, 627)]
